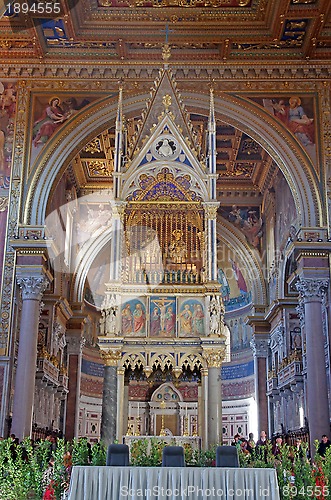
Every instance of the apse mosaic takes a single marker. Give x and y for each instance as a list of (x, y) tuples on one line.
[(234, 288), (248, 220), (162, 316), (297, 113), (191, 318), (133, 317), (241, 333)]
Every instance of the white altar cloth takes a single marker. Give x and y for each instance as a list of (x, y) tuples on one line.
[(178, 483)]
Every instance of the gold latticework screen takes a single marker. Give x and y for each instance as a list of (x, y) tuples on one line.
[(164, 242)]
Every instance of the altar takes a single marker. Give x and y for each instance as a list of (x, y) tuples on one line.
[(194, 442), (172, 483)]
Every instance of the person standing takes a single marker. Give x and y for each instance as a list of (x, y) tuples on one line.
[(323, 446)]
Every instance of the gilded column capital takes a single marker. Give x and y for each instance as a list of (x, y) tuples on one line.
[(111, 356), (214, 357), (32, 287), (211, 209), (121, 371), (119, 210), (312, 289)]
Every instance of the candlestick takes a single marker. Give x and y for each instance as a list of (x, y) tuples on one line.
[(162, 431)]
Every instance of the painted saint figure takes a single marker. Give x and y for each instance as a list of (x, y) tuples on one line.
[(155, 322), (52, 117), (139, 319), (170, 321), (295, 118), (127, 320), (198, 320), (185, 319)]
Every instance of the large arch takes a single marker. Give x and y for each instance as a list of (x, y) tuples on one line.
[(256, 122)]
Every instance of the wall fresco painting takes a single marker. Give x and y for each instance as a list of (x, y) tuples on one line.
[(7, 122), (191, 318), (49, 114), (7, 119), (297, 114), (286, 214), (162, 317), (133, 318), (248, 220)]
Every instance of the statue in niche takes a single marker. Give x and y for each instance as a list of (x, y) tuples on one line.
[(215, 311), (177, 249), (102, 322), (109, 314)]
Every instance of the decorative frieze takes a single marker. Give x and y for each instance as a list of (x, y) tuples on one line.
[(108, 75)]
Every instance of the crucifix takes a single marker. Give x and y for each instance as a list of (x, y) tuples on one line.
[(167, 31)]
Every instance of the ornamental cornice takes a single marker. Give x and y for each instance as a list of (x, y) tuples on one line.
[(32, 287), (311, 289), (214, 357), (112, 72)]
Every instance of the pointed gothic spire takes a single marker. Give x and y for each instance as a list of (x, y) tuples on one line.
[(118, 151), (211, 122), (211, 158), (165, 99)]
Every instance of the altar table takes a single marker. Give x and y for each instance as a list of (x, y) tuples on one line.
[(172, 483)]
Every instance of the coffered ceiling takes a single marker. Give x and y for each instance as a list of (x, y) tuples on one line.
[(242, 164), (133, 31)]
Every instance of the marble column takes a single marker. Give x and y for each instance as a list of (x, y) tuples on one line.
[(75, 344), (259, 345), (109, 399), (311, 292), (121, 422), (203, 408), (32, 289), (211, 253), (215, 359)]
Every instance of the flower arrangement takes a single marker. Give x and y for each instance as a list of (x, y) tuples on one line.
[(37, 472)]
